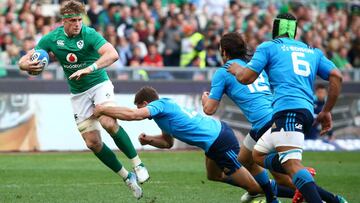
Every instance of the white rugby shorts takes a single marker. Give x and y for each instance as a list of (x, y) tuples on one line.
[(83, 104)]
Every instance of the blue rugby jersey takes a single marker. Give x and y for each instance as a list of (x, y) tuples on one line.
[(254, 99), (188, 126), (292, 67)]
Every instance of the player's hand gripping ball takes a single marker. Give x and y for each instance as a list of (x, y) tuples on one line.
[(42, 56)]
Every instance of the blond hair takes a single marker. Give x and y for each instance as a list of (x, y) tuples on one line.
[(72, 7)]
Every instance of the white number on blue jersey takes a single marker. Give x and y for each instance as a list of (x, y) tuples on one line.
[(258, 85), (305, 70)]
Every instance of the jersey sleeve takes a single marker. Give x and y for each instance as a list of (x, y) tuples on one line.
[(96, 39), (218, 84), (260, 58), (325, 66), (155, 108), (44, 43)]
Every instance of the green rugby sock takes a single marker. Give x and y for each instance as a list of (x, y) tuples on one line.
[(109, 158), (122, 140)]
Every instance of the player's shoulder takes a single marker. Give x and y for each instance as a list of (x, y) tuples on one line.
[(88, 30), (53, 33), (312, 49), (268, 44), (162, 101), (318, 51), (231, 61)]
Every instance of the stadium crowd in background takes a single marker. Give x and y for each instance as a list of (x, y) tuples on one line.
[(186, 32)]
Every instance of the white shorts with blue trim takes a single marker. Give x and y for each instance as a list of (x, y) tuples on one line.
[(269, 141)]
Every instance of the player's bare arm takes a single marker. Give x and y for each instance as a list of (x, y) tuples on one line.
[(26, 64), (242, 74), (209, 105), (122, 113), (108, 56), (163, 141), (324, 117)]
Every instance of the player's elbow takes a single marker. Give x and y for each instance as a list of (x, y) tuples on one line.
[(247, 76), (114, 55), (336, 75), (208, 110), (169, 144), (246, 79)]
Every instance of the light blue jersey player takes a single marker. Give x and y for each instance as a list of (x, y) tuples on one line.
[(254, 100), (187, 126), (216, 138), (292, 67)]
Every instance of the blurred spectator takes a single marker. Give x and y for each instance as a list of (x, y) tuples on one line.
[(213, 59), (340, 59), (28, 44), (192, 48), (172, 40), (136, 58), (189, 30), (319, 102), (109, 15), (135, 62), (12, 54), (136, 43), (354, 53), (155, 60), (124, 51), (214, 7), (93, 12), (142, 30)]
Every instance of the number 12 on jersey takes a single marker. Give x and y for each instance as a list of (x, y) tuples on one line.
[(258, 85)]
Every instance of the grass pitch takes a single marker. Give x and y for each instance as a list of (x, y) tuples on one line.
[(175, 177)]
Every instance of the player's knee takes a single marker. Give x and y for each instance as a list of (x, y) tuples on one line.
[(214, 177), (246, 161), (94, 144), (258, 158), (109, 124)]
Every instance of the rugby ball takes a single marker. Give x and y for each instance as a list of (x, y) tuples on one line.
[(42, 56)]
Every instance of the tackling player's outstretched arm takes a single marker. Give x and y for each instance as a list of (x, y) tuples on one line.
[(122, 113), (160, 141)]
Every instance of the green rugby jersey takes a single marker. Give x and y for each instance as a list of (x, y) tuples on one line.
[(75, 53)]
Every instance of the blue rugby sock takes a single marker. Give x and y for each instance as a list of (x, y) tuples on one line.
[(283, 191), (272, 162), (327, 196), (264, 182), (305, 183)]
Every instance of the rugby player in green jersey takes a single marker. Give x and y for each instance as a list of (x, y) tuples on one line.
[(84, 54)]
